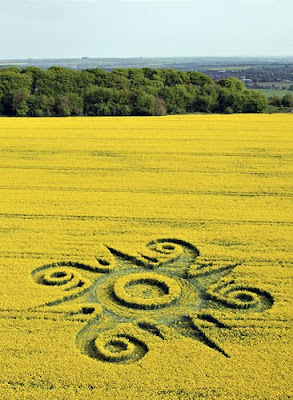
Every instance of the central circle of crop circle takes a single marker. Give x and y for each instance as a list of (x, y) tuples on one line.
[(244, 297), (146, 290)]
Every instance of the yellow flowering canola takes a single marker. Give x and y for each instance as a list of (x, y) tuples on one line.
[(146, 258)]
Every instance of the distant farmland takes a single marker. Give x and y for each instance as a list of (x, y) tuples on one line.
[(274, 92)]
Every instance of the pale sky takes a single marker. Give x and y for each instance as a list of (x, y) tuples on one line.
[(145, 28)]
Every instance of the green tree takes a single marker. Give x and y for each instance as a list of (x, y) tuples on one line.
[(287, 100), (199, 79), (176, 98), (172, 77), (203, 99), (143, 103), (69, 104), (232, 83), (275, 101), (19, 103), (63, 92), (255, 102), (12, 84), (22, 109)]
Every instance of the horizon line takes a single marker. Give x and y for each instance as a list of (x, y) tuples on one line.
[(142, 57)]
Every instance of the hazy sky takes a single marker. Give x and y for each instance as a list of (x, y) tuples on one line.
[(133, 28)]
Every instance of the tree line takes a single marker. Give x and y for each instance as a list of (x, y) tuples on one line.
[(64, 92), (282, 102)]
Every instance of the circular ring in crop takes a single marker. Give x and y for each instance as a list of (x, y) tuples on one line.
[(242, 298), (64, 277), (114, 348), (119, 348), (167, 248), (58, 276), (146, 290)]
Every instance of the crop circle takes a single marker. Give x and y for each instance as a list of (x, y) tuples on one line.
[(114, 348), (167, 248), (58, 277), (146, 290), (241, 297), (245, 297)]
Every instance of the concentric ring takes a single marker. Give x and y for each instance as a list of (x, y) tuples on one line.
[(160, 290)]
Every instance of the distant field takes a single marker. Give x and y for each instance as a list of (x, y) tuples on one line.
[(146, 258), (230, 68), (4, 64), (273, 92), (275, 84)]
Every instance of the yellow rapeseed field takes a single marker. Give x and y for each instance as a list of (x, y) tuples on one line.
[(146, 258)]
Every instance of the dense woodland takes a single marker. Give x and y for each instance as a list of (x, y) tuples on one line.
[(94, 92)]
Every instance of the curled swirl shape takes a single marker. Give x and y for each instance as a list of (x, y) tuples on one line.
[(163, 251), (119, 347), (234, 295), (63, 277)]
